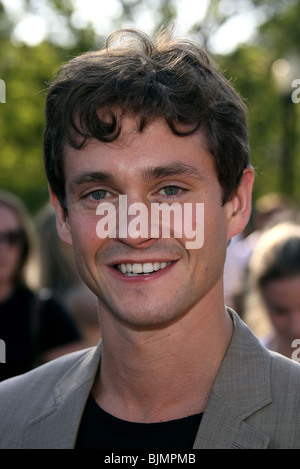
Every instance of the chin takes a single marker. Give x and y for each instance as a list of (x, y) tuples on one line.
[(151, 317)]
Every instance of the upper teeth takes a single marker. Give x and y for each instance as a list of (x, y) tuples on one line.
[(145, 268)]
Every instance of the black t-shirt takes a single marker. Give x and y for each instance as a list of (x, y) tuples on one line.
[(100, 430), (30, 326)]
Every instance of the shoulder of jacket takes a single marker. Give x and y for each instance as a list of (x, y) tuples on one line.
[(52, 371), (283, 368), (33, 394)]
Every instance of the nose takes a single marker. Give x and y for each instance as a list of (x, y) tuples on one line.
[(129, 221), (134, 221)]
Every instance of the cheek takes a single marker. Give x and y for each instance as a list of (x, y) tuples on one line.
[(208, 260), (86, 245), (215, 234), (84, 236)]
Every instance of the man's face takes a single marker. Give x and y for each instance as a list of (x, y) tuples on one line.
[(154, 166)]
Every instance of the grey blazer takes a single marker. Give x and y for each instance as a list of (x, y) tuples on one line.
[(254, 403)]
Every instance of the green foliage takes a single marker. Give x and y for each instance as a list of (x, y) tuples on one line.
[(248, 69), (274, 120), (27, 71)]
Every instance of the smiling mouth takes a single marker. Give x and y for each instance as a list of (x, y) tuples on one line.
[(148, 268)]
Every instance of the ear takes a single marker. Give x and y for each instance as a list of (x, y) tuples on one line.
[(62, 222), (238, 208)]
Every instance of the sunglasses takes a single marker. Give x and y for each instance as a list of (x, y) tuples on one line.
[(12, 238)]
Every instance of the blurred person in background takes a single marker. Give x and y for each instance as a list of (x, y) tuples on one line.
[(58, 273), (268, 210), (274, 270), (34, 327)]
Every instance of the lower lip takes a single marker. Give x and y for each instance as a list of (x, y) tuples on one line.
[(142, 278)]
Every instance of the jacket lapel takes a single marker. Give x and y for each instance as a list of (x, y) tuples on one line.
[(57, 424), (221, 429), (241, 388)]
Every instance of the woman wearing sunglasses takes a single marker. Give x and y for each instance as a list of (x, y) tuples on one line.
[(30, 325)]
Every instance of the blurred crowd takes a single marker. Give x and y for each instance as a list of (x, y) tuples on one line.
[(262, 273), (47, 311)]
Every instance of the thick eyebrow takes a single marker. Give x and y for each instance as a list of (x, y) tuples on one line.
[(91, 176), (148, 174), (176, 168)]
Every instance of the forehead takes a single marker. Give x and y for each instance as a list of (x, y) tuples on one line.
[(134, 150)]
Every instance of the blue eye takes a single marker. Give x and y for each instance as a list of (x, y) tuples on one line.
[(171, 190), (99, 194)]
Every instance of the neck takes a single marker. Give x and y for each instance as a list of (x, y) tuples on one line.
[(156, 375)]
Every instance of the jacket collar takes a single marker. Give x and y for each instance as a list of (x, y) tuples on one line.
[(242, 387), (52, 429)]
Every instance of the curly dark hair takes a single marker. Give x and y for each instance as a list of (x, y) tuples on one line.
[(160, 77)]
